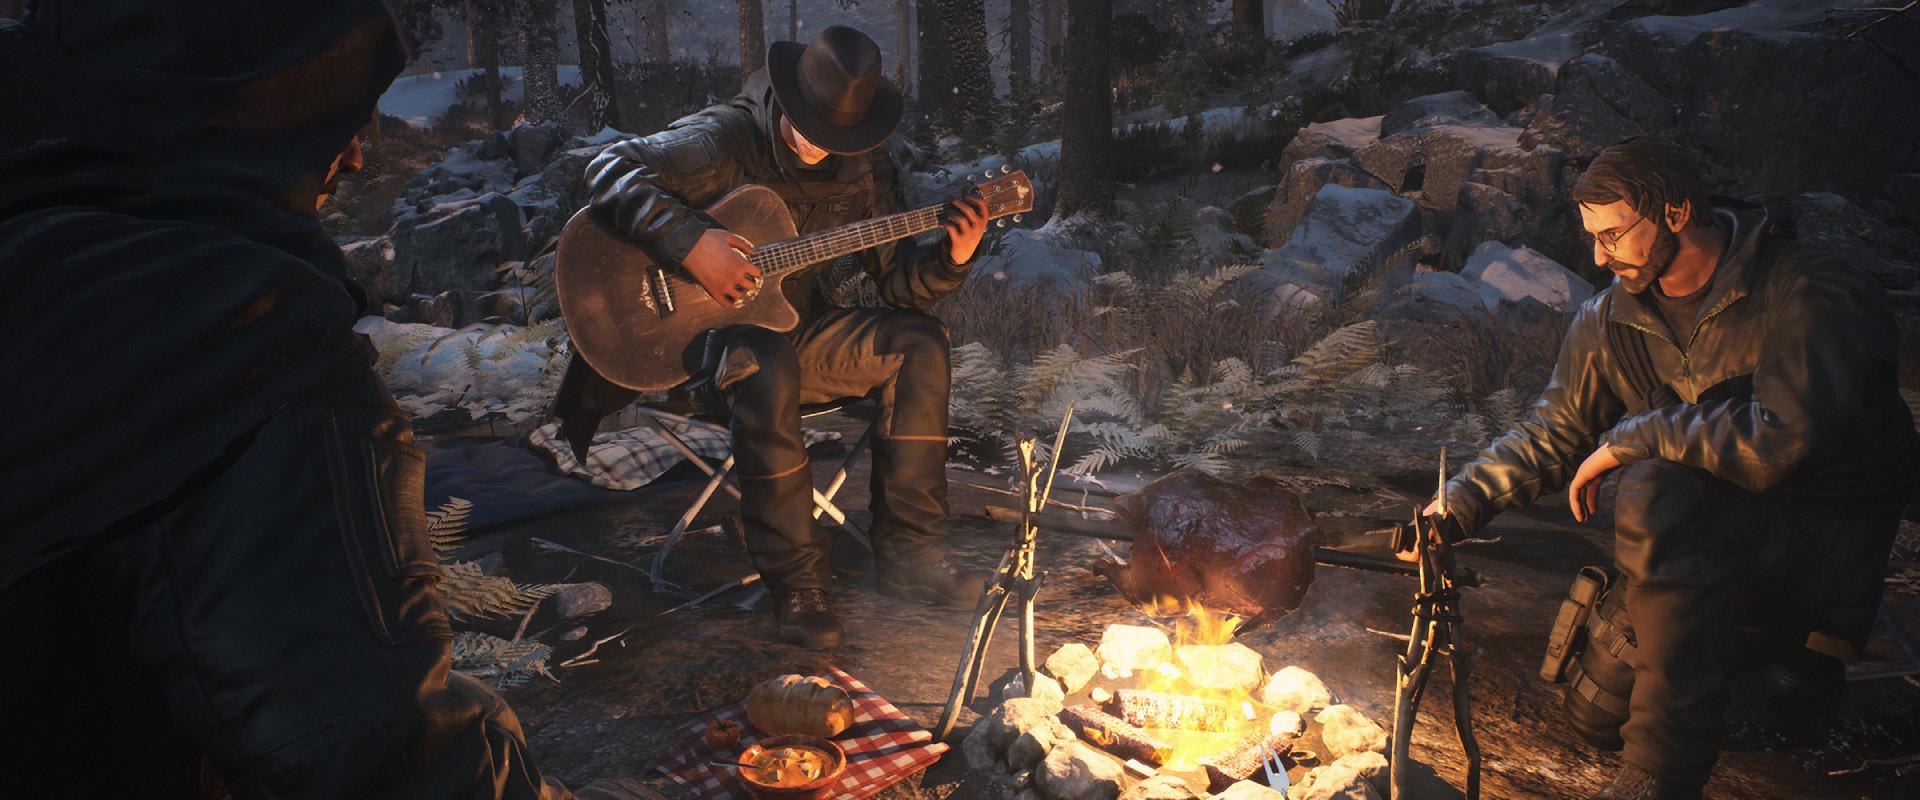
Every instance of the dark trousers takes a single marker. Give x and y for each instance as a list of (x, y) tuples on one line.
[(762, 378), (1699, 558), (275, 625)]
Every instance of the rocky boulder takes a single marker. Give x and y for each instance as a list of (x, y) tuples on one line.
[(1343, 230), (1296, 690), (1073, 665), (370, 267), (1042, 258), (1231, 667), (1595, 103), (1891, 253), (1763, 88), (1426, 111), (1346, 731), (1498, 272), (1429, 164), (1509, 75), (457, 245), (1134, 648), (1302, 181), (1074, 771), (1436, 297), (1337, 139)]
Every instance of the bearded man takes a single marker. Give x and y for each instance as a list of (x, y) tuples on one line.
[(1745, 388)]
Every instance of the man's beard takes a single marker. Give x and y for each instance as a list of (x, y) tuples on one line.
[(1637, 277)]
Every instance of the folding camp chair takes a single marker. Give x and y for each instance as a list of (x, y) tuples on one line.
[(823, 505)]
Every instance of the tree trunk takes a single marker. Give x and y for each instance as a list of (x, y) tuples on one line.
[(971, 114), (753, 38), (1086, 135), (650, 18), (1051, 28), (936, 80), (793, 20), (1249, 20), (1019, 62), (483, 18), (540, 29), (903, 46), (599, 79), (466, 15)]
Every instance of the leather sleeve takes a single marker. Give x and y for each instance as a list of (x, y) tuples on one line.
[(1542, 451), (910, 273), (647, 188), (1829, 332)]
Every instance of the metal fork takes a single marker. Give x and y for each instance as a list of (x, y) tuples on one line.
[(1275, 768)]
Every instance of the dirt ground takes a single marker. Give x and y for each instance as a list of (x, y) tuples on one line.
[(616, 717)]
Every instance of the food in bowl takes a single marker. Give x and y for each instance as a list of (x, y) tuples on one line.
[(791, 766)]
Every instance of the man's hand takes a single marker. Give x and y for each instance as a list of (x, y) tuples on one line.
[(719, 262), (966, 221), (1584, 493)]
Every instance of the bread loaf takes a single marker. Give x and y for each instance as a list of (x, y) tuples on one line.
[(798, 704)]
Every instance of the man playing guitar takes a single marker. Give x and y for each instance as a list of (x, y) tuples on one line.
[(808, 126)]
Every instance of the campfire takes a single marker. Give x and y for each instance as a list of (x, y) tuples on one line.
[(1175, 702)]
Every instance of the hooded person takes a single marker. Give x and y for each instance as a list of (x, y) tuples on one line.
[(215, 576)]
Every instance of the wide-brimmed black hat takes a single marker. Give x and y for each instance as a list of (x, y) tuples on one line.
[(833, 92)]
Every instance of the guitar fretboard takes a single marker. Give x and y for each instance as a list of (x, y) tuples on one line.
[(813, 248)]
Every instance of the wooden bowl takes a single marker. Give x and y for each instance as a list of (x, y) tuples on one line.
[(836, 764)]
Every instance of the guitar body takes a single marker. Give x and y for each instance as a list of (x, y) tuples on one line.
[(640, 323)]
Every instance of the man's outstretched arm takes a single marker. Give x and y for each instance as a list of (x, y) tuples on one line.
[(1538, 456)]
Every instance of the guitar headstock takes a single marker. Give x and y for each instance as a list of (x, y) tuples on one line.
[(1006, 190)]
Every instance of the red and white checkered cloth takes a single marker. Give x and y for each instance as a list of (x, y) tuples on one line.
[(883, 746)]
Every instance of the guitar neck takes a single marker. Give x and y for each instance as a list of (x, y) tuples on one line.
[(786, 256)]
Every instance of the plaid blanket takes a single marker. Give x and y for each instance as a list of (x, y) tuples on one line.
[(883, 746), (632, 458)]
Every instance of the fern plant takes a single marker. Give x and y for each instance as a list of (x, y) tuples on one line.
[(468, 593)]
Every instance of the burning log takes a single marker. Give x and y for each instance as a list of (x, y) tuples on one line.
[(1161, 710), (1243, 759), (1115, 736)]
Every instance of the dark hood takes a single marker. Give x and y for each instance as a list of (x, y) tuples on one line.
[(165, 296)]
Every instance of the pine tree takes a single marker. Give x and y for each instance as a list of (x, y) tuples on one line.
[(903, 46), (971, 113), (1019, 66), (1086, 140), (540, 36), (1249, 20), (483, 23), (651, 17), (753, 38), (597, 75)]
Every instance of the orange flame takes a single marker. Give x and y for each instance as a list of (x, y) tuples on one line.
[(1191, 623)]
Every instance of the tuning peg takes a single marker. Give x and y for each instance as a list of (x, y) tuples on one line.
[(1018, 217), (1002, 222), (1005, 168), (988, 175)]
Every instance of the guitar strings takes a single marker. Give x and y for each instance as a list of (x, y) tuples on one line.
[(815, 248)]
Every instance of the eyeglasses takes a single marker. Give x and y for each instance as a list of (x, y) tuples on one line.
[(1609, 241)]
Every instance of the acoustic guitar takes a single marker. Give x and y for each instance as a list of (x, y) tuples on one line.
[(638, 322)]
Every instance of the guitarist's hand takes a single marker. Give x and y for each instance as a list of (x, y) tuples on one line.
[(719, 262), (966, 221)]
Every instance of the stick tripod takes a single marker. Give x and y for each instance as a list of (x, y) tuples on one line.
[(1438, 627), (1015, 577)]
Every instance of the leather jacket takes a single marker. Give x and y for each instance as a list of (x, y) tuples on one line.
[(1787, 383), (650, 188)]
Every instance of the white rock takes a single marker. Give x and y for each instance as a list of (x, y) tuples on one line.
[(1231, 667), (1131, 648), (1505, 273), (1073, 665), (1250, 790), (1030, 748), (1160, 787), (1346, 731), (580, 599), (1048, 691), (1012, 718), (1297, 690), (1076, 772), (1287, 723), (1362, 776)]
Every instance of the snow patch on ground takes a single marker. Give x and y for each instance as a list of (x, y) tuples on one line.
[(1772, 18), (482, 368), (420, 99)]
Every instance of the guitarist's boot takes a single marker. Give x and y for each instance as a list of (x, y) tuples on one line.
[(909, 525), (761, 383)]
